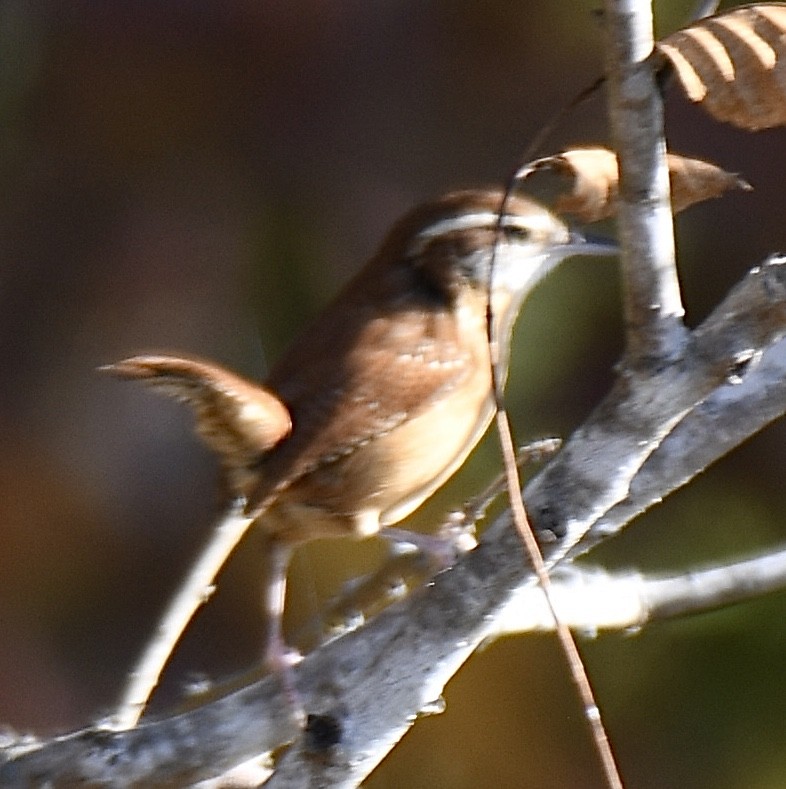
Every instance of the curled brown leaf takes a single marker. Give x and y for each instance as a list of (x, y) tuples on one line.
[(734, 64), (594, 179)]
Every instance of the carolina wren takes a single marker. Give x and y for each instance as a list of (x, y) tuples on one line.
[(385, 395)]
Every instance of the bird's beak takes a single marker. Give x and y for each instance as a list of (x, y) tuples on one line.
[(583, 244)]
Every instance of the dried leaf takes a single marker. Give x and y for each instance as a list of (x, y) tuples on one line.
[(734, 64), (595, 177), (594, 181), (694, 180)]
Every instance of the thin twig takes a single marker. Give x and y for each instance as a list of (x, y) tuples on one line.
[(575, 664), (195, 590), (590, 599), (570, 650)]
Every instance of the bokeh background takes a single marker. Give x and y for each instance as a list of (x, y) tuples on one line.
[(202, 176)]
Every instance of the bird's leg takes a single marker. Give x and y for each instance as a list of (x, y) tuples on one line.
[(443, 549), (278, 657), (457, 535)]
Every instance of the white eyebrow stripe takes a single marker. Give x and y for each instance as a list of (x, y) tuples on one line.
[(535, 220), (461, 222)]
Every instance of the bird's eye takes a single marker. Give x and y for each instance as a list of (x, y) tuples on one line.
[(516, 233)]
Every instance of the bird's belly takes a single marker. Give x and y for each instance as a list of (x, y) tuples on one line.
[(437, 444), (386, 479)]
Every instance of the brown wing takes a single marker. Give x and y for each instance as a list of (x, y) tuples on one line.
[(364, 367)]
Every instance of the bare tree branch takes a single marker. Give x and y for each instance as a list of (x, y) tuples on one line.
[(728, 416), (194, 591), (660, 354), (369, 686), (652, 300), (594, 472), (590, 599)]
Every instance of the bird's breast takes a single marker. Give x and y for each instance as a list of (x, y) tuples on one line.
[(421, 414)]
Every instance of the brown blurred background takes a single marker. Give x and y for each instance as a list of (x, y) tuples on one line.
[(202, 176)]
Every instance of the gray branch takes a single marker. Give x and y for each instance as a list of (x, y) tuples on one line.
[(591, 599), (651, 293), (366, 688), (587, 492)]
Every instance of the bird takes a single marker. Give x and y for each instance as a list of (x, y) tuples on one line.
[(382, 398)]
